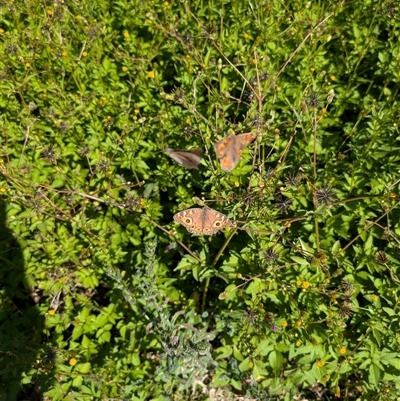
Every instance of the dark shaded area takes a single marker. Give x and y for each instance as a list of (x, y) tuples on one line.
[(21, 325)]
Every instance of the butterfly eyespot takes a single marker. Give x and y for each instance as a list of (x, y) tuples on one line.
[(217, 224), (188, 220)]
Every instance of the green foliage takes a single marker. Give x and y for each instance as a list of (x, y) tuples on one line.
[(103, 296)]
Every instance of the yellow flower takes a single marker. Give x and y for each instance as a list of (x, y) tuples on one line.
[(187, 121), (245, 35), (187, 57), (284, 323), (342, 350), (1, 31), (305, 284), (299, 323), (237, 183), (73, 361), (84, 54), (298, 343), (298, 283), (64, 54), (374, 298), (49, 12), (151, 74), (136, 111), (51, 312), (126, 35), (166, 4), (27, 65), (124, 69), (332, 78), (250, 364), (239, 275), (287, 224), (320, 363)]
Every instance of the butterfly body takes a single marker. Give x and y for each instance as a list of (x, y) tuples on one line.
[(202, 221), (187, 158), (229, 150)]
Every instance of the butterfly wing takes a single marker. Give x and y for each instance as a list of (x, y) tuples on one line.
[(228, 152), (191, 219), (222, 146), (203, 221), (246, 139), (214, 221), (187, 158)]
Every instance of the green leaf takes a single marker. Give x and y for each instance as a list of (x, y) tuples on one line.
[(374, 375), (83, 367), (275, 359)]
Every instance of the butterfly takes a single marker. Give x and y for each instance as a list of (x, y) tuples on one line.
[(230, 149), (202, 221), (187, 158)]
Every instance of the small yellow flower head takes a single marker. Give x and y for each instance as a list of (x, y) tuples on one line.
[(1, 31), (250, 365), (374, 297), (298, 283), (49, 12), (299, 323), (287, 224), (73, 361), (284, 323), (64, 54), (245, 35), (51, 312), (342, 350), (332, 78), (124, 69), (298, 343), (27, 65), (134, 118), (239, 275), (166, 4), (237, 183), (187, 121), (126, 35), (305, 284), (151, 74), (320, 363), (136, 111), (84, 54), (187, 57)]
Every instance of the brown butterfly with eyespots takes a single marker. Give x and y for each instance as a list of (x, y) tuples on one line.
[(202, 221), (229, 150), (187, 158)]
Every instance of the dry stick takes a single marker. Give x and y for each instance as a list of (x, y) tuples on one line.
[(387, 230), (207, 283), (368, 227), (315, 143), (297, 49)]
